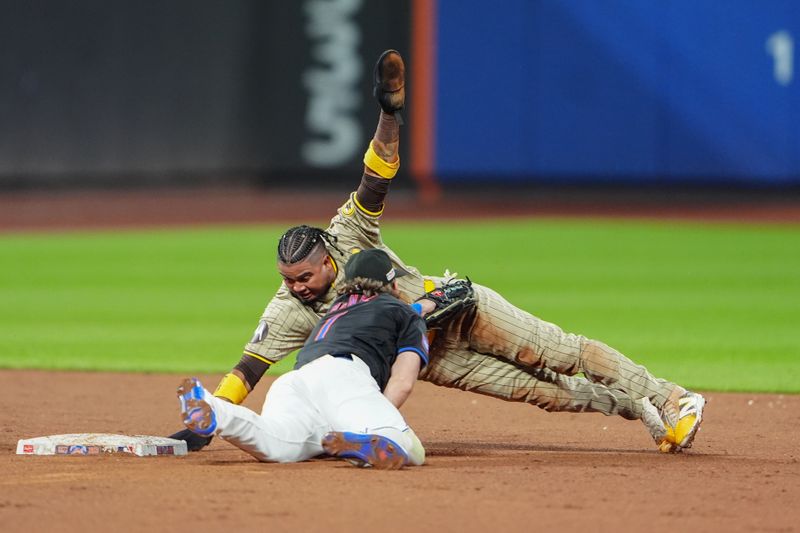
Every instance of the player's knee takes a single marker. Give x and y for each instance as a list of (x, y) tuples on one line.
[(597, 361)]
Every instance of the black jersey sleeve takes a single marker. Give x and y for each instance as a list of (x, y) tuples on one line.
[(412, 334)]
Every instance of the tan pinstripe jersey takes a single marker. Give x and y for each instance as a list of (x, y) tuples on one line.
[(289, 321)]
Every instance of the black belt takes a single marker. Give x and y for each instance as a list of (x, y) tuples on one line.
[(342, 355)]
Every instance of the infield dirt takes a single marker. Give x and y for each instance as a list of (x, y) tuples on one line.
[(492, 465)]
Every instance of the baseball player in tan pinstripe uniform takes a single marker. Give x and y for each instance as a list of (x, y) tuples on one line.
[(492, 348)]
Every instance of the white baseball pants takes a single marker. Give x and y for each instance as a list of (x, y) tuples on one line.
[(328, 394)]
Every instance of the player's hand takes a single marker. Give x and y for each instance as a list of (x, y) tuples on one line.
[(194, 442), (453, 298)]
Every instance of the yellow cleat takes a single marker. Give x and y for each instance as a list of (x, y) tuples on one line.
[(668, 447), (682, 418)]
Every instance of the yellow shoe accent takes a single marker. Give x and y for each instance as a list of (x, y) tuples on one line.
[(668, 447), (685, 426)]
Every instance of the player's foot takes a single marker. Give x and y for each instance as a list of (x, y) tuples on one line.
[(198, 415), (682, 414), (365, 450), (390, 82), (651, 419)]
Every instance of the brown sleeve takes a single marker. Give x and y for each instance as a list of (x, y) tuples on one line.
[(371, 192), (252, 369)]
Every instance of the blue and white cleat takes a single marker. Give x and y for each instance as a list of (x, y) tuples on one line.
[(365, 450), (198, 415)]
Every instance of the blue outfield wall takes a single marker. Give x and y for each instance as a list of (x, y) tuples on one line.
[(623, 91)]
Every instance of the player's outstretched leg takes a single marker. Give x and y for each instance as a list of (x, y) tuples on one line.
[(198, 415), (682, 414), (365, 450)]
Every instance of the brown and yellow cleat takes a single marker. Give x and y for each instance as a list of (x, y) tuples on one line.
[(390, 83), (682, 415)]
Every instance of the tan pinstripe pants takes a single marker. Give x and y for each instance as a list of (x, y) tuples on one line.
[(502, 351)]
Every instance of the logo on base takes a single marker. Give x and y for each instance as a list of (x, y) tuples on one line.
[(77, 449)]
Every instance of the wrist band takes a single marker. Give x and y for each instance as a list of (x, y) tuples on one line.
[(231, 388), (374, 162)]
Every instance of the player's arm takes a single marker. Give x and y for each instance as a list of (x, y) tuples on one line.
[(357, 222), (381, 160), (378, 173), (412, 354), (357, 219), (283, 328), (404, 375), (242, 379)]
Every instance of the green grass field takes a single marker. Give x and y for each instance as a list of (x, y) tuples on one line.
[(709, 306)]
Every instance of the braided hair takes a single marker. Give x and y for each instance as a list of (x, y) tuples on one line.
[(300, 241)]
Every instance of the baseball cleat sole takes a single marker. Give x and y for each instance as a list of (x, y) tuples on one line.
[(198, 415), (365, 450)]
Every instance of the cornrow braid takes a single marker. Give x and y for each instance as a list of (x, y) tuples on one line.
[(298, 242)]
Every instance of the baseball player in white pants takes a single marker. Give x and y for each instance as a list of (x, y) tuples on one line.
[(357, 368)]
